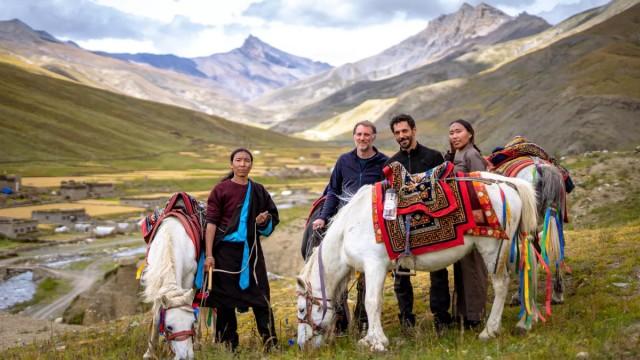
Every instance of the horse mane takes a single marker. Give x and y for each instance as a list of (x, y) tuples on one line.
[(159, 278), (333, 227)]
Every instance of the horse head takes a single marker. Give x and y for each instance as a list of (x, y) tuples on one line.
[(315, 315), (177, 322)]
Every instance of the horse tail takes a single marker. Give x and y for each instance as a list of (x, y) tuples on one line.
[(550, 189), (529, 212)]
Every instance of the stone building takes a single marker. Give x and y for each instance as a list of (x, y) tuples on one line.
[(101, 190), (60, 216), (17, 228), (12, 182), (71, 190)]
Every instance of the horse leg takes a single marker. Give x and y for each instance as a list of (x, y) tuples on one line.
[(375, 274), (500, 283), (558, 288), (153, 338)]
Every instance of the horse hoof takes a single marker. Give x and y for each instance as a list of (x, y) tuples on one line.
[(148, 355), (486, 335), (520, 331)]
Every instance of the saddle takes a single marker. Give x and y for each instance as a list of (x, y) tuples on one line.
[(504, 159), (187, 210), (433, 209)]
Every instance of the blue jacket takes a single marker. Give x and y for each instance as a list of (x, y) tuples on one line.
[(348, 175)]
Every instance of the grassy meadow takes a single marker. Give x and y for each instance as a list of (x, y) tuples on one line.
[(600, 318)]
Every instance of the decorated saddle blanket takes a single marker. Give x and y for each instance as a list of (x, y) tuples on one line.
[(484, 215), (506, 159), (433, 204), (186, 209)]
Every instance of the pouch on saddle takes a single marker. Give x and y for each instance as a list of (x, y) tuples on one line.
[(437, 206), (183, 207)]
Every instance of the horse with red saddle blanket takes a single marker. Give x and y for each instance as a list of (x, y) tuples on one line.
[(431, 207)]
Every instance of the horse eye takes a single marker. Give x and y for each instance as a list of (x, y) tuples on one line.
[(170, 328)]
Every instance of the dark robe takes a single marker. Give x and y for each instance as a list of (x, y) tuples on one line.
[(226, 290)]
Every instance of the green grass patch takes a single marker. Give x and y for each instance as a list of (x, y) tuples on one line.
[(47, 290), (618, 213), (7, 244), (601, 316)]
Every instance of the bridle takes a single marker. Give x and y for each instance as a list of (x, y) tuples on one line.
[(311, 300), (178, 335)]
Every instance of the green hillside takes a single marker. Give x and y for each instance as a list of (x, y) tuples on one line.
[(47, 119)]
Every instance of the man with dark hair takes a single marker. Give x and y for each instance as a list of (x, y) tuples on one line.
[(361, 166), (418, 158)]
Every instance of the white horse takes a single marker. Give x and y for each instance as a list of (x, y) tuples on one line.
[(350, 244), (168, 282), (551, 195)]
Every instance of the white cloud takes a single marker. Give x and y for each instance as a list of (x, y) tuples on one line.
[(335, 31), (119, 45)]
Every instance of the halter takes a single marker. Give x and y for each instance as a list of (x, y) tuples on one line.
[(179, 335), (311, 300)]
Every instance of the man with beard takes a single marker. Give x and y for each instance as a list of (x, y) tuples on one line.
[(417, 158), (361, 166)]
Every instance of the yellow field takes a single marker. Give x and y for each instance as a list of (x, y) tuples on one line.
[(24, 212)]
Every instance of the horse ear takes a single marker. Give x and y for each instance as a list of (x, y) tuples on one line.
[(300, 282)]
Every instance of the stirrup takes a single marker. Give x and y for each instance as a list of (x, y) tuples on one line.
[(411, 272)]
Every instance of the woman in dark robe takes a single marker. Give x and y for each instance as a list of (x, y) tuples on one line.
[(239, 212), (470, 273)]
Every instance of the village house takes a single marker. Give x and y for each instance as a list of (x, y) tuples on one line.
[(17, 228), (101, 190), (71, 190), (60, 216), (12, 182)]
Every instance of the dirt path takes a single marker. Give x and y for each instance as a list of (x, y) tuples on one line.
[(81, 283), (19, 330)]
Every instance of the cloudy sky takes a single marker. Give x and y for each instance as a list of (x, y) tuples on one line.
[(334, 31)]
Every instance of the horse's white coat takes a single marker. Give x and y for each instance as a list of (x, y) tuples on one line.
[(168, 281), (350, 244)]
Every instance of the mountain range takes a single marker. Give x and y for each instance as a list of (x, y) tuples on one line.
[(507, 88), (571, 87), (443, 37), (246, 72)]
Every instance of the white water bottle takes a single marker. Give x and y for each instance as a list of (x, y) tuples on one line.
[(389, 211)]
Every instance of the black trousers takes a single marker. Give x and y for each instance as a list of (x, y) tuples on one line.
[(227, 326), (439, 297)]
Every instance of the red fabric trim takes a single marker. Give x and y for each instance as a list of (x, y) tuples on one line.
[(319, 201)]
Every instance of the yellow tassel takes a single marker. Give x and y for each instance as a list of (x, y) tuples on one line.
[(139, 271)]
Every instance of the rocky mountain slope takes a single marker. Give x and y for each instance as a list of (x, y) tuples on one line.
[(246, 72), (445, 36)]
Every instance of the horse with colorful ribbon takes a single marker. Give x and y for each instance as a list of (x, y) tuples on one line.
[(528, 161), (350, 244)]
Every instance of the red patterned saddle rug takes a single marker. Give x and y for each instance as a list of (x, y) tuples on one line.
[(187, 210), (487, 223), (438, 208)]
